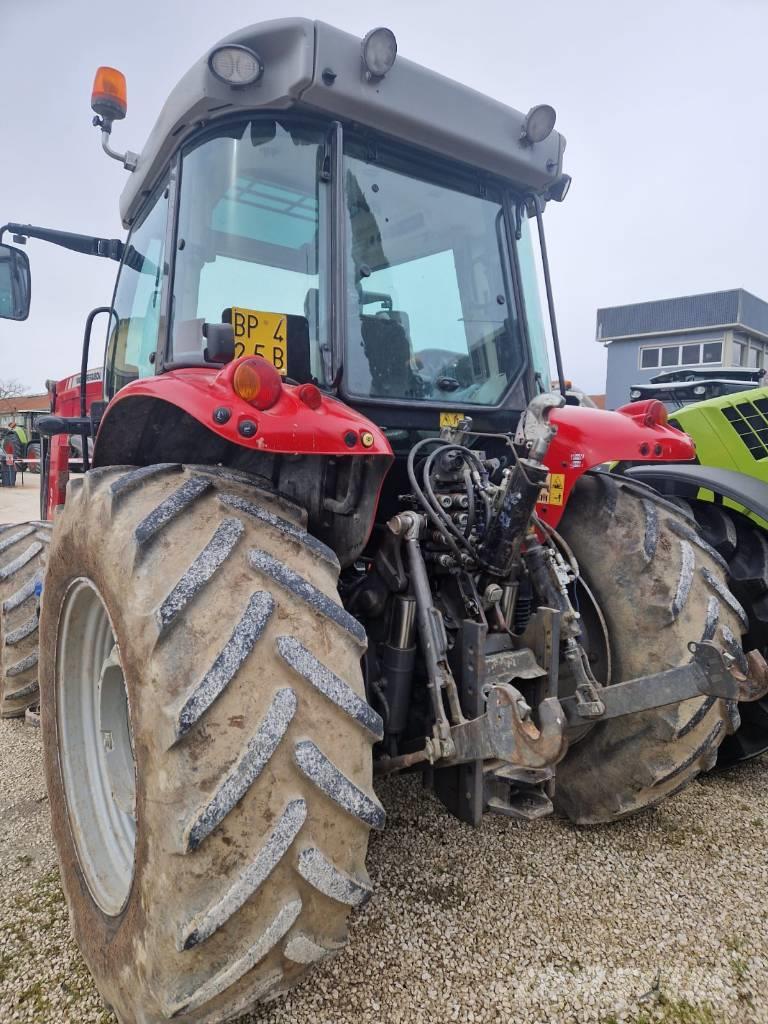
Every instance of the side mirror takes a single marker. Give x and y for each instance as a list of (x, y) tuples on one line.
[(15, 283)]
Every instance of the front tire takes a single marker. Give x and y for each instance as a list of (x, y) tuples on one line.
[(659, 586), (246, 722)]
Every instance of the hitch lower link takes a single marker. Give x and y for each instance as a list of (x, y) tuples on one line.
[(710, 673), (507, 731)]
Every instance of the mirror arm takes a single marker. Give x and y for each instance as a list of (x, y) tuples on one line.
[(89, 245)]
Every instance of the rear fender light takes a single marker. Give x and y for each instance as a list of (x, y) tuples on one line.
[(257, 382), (650, 412)]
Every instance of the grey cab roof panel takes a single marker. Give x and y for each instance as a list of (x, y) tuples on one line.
[(410, 103)]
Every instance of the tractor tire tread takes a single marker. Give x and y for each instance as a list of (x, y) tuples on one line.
[(743, 545), (23, 555), (659, 587), (257, 767)]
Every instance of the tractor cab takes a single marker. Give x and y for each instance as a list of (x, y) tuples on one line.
[(305, 216), (315, 211), (334, 524)]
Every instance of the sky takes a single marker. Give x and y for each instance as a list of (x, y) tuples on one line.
[(663, 104)]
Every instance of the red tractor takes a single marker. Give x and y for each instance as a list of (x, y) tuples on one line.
[(63, 453), (331, 526), (24, 548)]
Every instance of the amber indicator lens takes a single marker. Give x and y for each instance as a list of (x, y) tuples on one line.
[(256, 381)]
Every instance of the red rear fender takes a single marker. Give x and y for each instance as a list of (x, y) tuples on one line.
[(587, 438), (290, 426)]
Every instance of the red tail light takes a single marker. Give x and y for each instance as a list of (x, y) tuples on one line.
[(257, 382), (310, 395), (650, 412), (656, 414)]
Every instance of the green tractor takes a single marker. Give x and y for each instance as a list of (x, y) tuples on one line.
[(726, 493)]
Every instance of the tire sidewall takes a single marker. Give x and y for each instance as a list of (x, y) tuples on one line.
[(101, 938), (139, 958)]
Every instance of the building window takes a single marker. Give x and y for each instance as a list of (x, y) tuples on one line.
[(755, 358), (690, 354), (649, 358), (749, 353)]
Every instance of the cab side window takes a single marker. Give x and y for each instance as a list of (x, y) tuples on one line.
[(134, 328)]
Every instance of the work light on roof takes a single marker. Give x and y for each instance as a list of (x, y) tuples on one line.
[(379, 52), (238, 66), (539, 124)]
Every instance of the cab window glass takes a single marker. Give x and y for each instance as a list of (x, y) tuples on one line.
[(250, 220), (134, 328), (431, 310)]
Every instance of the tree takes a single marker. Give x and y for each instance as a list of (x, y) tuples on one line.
[(11, 389)]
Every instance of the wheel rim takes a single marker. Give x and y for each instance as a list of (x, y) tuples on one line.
[(95, 746)]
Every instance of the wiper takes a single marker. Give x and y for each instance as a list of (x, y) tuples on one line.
[(89, 245), (447, 384)]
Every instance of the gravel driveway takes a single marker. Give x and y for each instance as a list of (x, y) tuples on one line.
[(660, 918), (22, 502)]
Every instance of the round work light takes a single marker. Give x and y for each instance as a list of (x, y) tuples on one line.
[(539, 124), (236, 65), (379, 52)]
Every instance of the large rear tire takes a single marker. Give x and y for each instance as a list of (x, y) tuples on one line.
[(23, 554), (207, 741), (744, 546), (659, 586)]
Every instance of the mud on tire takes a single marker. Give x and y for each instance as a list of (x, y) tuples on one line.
[(744, 547), (660, 585), (23, 554), (251, 736)]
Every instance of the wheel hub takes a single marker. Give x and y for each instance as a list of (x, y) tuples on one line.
[(95, 746)]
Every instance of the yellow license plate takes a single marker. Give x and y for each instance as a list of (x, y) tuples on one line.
[(261, 334), (450, 419)]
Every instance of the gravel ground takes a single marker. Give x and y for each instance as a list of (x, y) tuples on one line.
[(658, 918), (22, 502)]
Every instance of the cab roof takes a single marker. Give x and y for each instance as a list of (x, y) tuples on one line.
[(411, 104)]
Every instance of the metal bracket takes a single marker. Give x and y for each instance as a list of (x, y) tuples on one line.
[(507, 732), (588, 703), (711, 673)]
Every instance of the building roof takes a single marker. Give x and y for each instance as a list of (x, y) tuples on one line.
[(733, 308), (25, 403)]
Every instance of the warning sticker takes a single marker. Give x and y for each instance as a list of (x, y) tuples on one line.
[(450, 419), (552, 491)]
